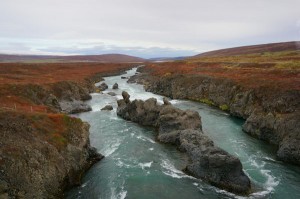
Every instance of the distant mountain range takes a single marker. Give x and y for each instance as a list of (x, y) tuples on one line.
[(121, 58), (109, 58), (165, 59)]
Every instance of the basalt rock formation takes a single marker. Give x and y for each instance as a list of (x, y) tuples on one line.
[(271, 114), (42, 154), (184, 130)]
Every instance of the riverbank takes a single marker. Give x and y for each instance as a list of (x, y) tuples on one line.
[(266, 96), (43, 151)]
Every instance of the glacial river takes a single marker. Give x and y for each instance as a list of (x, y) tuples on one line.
[(136, 166)]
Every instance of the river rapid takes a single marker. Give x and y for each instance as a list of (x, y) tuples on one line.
[(137, 166)]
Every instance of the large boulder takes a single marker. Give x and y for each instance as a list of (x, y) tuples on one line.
[(103, 86), (115, 86), (107, 108), (184, 130), (126, 96)]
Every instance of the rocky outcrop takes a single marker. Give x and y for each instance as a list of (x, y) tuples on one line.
[(71, 95), (107, 108), (68, 90), (103, 86), (42, 154), (271, 114), (115, 86), (184, 129), (72, 107)]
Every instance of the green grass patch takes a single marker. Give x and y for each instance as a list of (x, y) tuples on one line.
[(224, 107), (207, 101)]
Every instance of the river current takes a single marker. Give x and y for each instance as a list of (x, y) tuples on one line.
[(137, 166)]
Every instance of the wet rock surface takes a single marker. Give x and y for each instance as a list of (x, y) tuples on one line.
[(107, 108), (184, 130), (103, 86), (111, 93), (115, 86)]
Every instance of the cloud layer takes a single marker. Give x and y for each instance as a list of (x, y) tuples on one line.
[(156, 28)]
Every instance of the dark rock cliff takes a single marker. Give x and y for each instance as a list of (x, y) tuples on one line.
[(272, 115), (42, 154)]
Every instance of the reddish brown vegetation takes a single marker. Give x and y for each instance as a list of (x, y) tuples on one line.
[(16, 78), (44, 73), (249, 75), (274, 47)]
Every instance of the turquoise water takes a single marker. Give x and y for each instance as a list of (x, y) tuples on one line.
[(137, 166)]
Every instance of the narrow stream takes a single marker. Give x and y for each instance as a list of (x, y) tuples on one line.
[(136, 166)]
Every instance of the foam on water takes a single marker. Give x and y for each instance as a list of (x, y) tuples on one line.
[(271, 182), (122, 195), (170, 170), (255, 163), (111, 149), (122, 164), (145, 139), (145, 165)]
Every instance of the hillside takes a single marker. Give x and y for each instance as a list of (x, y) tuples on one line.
[(263, 48), (105, 58)]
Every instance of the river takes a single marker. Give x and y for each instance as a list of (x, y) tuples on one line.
[(137, 166)]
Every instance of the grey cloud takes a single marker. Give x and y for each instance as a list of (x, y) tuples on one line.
[(190, 25)]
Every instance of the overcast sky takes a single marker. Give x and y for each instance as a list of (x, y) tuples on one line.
[(145, 28)]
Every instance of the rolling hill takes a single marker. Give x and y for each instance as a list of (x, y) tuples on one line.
[(262, 48)]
